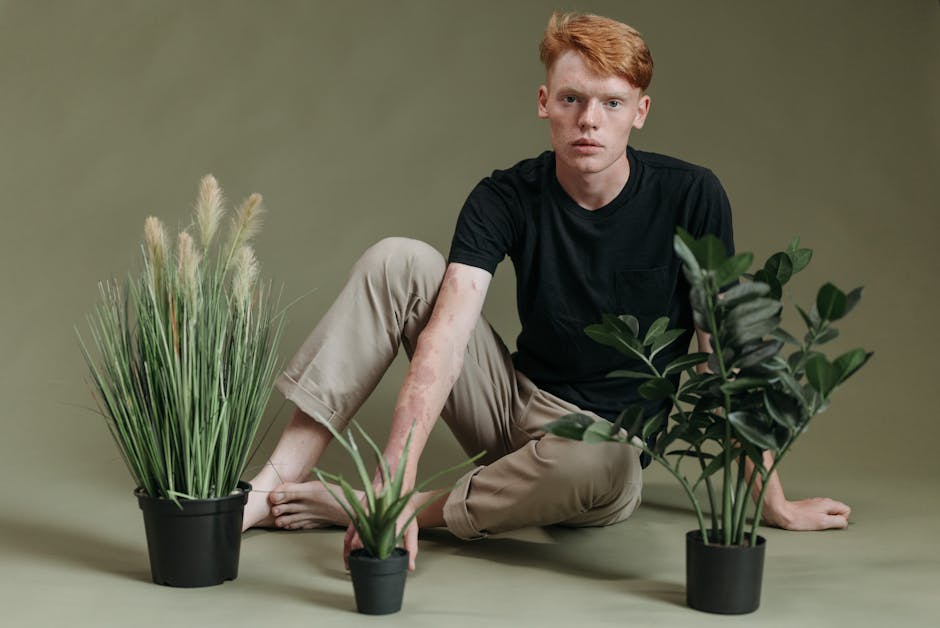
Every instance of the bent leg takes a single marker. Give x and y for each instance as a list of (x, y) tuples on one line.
[(548, 480), (386, 302)]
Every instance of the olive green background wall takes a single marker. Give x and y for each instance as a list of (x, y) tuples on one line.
[(359, 120)]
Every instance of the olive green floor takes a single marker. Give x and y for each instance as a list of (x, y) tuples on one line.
[(71, 562)]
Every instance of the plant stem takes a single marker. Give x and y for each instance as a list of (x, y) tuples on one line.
[(711, 494), (760, 500), (708, 482), (726, 509), (688, 489), (740, 505), (742, 515)]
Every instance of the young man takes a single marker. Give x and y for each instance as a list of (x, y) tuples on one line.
[(589, 229)]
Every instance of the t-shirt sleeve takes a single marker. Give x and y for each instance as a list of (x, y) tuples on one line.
[(712, 212), (485, 231)]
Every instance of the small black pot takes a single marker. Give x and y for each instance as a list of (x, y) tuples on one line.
[(196, 545), (379, 584), (723, 579)]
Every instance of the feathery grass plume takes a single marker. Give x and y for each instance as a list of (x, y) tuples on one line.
[(210, 207), (245, 225), (186, 356), (187, 260), (243, 281), (156, 240), (155, 235)]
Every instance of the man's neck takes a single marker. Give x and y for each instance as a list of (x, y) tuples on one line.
[(596, 189)]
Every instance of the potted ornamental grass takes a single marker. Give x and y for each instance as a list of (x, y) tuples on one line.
[(756, 392), (182, 359), (379, 569)]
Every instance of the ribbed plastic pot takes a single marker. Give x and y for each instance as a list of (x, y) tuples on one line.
[(197, 543), (723, 579), (379, 584)]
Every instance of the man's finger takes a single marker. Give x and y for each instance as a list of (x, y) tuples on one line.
[(347, 544), (835, 521), (838, 508), (411, 544)]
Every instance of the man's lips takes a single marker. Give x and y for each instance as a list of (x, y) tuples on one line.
[(586, 147)]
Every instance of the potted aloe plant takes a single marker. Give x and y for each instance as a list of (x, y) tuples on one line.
[(380, 567), (748, 396), (184, 365)]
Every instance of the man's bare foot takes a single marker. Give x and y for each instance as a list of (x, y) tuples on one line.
[(304, 506), (258, 510)]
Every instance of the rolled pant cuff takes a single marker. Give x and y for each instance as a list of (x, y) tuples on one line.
[(309, 404), (456, 516)]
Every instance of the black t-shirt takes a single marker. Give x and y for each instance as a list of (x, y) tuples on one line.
[(572, 265)]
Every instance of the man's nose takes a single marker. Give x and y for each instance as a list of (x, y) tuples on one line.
[(589, 115)]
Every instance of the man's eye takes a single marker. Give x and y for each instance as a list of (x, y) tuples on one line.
[(614, 104), (570, 99)]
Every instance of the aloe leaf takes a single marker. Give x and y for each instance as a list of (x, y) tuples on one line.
[(422, 485)]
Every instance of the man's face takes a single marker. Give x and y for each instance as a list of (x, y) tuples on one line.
[(590, 116)]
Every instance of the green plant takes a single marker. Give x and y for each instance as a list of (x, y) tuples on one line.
[(186, 354), (749, 399), (375, 515)]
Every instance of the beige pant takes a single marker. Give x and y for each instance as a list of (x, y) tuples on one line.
[(527, 478)]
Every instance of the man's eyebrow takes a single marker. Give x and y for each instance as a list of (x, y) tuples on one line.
[(568, 89)]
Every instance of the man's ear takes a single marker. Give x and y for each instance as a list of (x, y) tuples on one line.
[(642, 110), (543, 101)]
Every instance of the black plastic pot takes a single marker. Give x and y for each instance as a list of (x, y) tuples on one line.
[(197, 543), (723, 579), (379, 584)]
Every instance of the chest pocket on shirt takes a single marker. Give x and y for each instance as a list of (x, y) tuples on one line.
[(644, 293)]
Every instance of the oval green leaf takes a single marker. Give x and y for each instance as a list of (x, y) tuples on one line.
[(831, 303), (656, 389)]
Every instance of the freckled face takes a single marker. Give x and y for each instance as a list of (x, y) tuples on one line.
[(590, 116)]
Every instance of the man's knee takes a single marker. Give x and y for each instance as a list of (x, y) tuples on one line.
[(396, 257), (600, 474)]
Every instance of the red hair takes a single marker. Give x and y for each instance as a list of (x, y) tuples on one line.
[(609, 47)]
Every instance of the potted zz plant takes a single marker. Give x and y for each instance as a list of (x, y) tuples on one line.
[(379, 568), (184, 366), (744, 398)]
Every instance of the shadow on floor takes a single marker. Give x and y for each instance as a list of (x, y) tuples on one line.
[(577, 552), (73, 546), (264, 587)]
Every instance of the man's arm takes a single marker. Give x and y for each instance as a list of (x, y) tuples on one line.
[(436, 363), (817, 513), (435, 367)]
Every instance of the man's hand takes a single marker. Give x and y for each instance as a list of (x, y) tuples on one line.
[(410, 538), (435, 366), (817, 513)]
